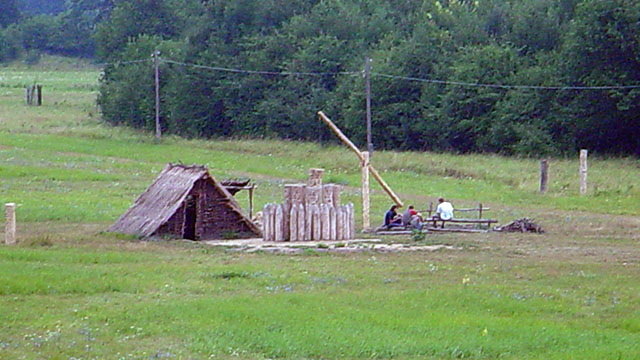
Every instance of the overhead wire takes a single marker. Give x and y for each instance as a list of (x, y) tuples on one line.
[(393, 77), (504, 86), (261, 72)]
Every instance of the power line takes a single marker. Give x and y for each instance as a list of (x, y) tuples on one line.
[(261, 72), (124, 62), (502, 86), (394, 77)]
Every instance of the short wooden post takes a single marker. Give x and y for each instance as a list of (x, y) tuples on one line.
[(366, 221), (38, 95), (352, 222), (10, 225), (317, 222), (326, 223), (544, 175), (268, 222), (583, 171), (333, 225), (279, 224), (293, 223), (30, 91), (251, 201), (480, 211), (308, 228), (430, 208), (339, 224), (301, 223)]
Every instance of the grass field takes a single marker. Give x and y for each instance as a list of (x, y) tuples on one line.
[(71, 291)]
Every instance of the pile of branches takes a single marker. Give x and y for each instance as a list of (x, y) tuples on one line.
[(521, 225)]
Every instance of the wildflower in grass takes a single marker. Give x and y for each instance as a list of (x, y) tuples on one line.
[(465, 280), (485, 332)]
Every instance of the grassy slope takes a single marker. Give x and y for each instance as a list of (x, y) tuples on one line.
[(75, 292)]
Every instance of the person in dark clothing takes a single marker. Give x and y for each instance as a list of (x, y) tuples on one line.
[(391, 218)]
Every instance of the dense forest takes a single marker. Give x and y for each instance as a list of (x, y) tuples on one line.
[(65, 27), (525, 77)]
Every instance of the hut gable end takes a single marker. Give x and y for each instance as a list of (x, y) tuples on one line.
[(185, 202)]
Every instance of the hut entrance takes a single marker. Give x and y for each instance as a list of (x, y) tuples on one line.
[(190, 217)]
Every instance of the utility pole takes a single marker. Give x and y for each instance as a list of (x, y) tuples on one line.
[(367, 76), (156, 63)]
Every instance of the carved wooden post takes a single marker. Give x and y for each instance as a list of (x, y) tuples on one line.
[(10, 225), (332, 224), (278, 224), (293, 223), (347, 223), (286, 208), (326, 224), (301, 226), (544, 175), (315, 177), (345, 216), (583, 171), (316, 222), (313, 198), (339, 224), (337, 190), (352, 221), (366, 223), (266, 222), (347, 229)]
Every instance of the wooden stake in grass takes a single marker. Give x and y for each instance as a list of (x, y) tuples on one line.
[(544, 175), (38, 95), (583, 171), (10, 225)]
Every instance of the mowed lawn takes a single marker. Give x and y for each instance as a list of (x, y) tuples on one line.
[(69, 290)]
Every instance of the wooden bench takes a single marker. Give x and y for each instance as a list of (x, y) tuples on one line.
[(462, 221), (402, 230)]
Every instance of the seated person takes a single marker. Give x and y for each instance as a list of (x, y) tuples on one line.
[(411, 218), (444, 212), (391, 218)]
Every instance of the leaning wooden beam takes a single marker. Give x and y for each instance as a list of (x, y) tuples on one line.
[(342, 136), (372, 170), (386, 187)]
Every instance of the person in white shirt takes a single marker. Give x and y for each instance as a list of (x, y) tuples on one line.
[(444, 212)]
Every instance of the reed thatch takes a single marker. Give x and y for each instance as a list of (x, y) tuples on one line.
[(186, 202)]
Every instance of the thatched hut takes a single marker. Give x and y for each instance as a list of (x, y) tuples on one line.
[(186, 202)]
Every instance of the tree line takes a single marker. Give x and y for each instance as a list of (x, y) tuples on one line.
[(575, 44), (29, 28)]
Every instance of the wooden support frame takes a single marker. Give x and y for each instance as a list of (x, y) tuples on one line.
[(357, 151)]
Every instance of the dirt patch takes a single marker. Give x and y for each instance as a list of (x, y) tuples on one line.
[(347, 246)]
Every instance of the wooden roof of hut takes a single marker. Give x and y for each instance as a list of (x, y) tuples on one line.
[(168, 194)]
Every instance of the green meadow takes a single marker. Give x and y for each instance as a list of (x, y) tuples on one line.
[(69, 290)]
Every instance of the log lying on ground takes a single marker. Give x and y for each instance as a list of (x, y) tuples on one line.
[(521, 225)]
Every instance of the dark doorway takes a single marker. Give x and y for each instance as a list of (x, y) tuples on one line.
[(190, 217)]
